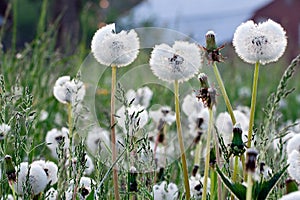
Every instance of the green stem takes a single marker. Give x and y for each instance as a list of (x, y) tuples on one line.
[(213, 183), (242, 157), (253, 103), (249, 187), (235, 168), (180, 140), (197, 154), (224, 93), (113, 134), (209, 130)]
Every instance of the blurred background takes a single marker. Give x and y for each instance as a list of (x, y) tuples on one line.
[(77, 20)]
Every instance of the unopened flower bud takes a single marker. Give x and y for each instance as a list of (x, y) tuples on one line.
[(237, 146), (251, 155)]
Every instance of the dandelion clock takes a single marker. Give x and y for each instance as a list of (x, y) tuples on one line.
[(116, 50), (177, 64)]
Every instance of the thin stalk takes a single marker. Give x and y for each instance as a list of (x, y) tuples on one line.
[(235, 171), (180, 140), (253, 103), (224, 93), (249, 187), (113, 134), (213, 183), (235, 168), (242, 157), (209, 130), (197, 154), (218, 159)]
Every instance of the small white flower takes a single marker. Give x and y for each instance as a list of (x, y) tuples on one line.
[(180, 62), (50, 168), (55, 137), (196, 186), (115, 49), (97, 140), (264, 42), (4, 129), (37, 178), (138, 118), (294, 167), (165, 192), (225, 126), (51, 194), (291, 196), (293, 144), (69, 91), (142, 96), (164, 113)]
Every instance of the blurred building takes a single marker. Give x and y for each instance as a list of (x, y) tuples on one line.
[(287, 13)]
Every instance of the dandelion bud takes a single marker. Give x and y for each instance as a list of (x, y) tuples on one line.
[(10, 169), (251, 155), (132, 179), (237, 146), (203, 80)]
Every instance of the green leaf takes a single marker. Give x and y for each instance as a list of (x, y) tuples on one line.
[(237, 189), (267, 186)]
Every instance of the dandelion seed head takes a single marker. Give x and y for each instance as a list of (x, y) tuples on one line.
[(264, 42), (141, 96), (115, 49), (97, 140), (68, 91), (4, 129), (37, 178), (293, 144), (179, 62), (291, 196), (294, 165), (50, 169), (165, 192), (51, 194), (164, 113), (55, 137), (138, 118), (196, 186)]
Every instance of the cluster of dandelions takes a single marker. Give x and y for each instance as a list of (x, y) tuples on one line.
[(72, 177)]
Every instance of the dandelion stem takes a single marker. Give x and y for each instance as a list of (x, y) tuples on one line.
[(249, 187), (197, 154), (209, 130), (113, 134), (180, 140), (224, 93), (235, 168), (253, 103)]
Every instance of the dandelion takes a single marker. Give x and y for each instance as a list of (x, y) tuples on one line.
[(138, 118), (37, 178), (55, 138), (250, 168), (51, 194), (83, 190), (291, 196), (165, 191), (294, 167), (196, 186), (258, 44), (4, 129), (293, 144), (177, 63), (97, 140), (141, 97), (163, 114), (70, 91), (50, 168), (116, 50), (264, 42)]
